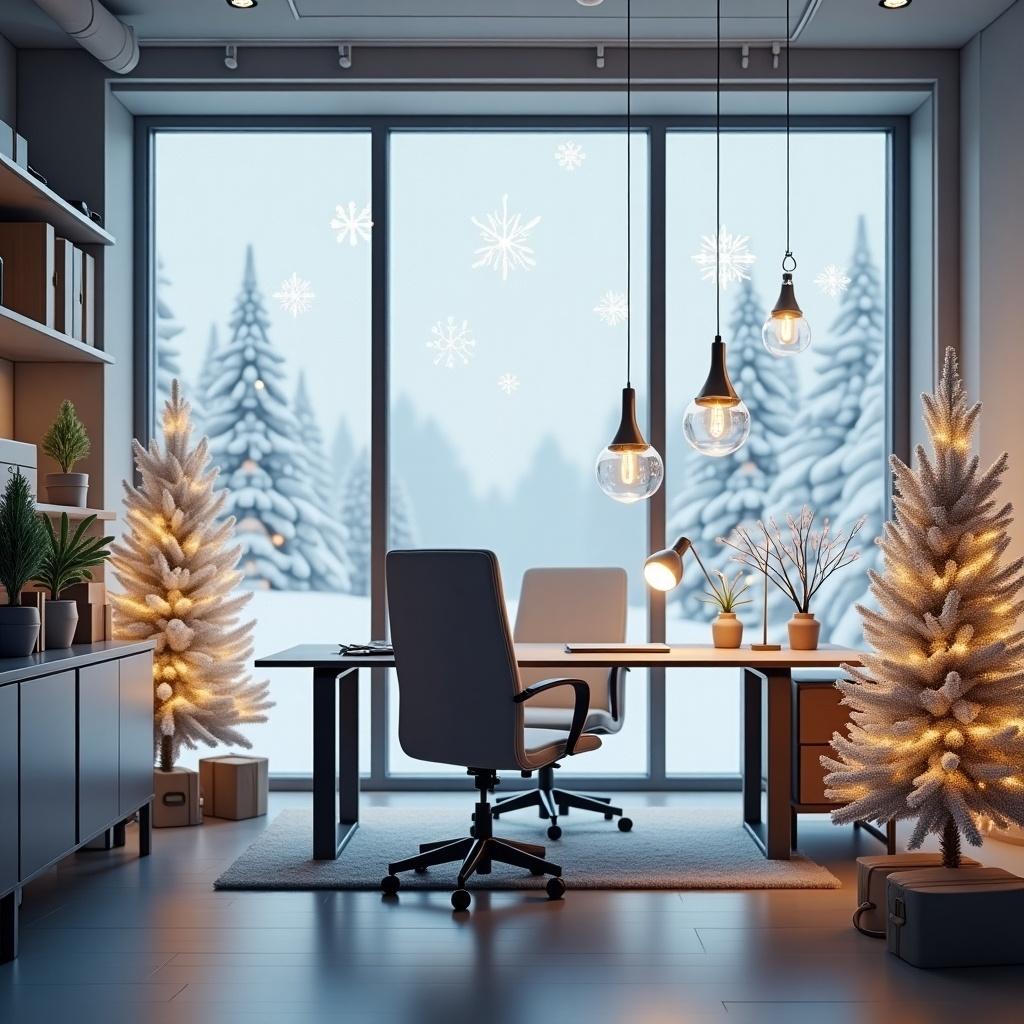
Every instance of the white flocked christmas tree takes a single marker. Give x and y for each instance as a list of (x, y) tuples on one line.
[(937, 710), (178, 568)]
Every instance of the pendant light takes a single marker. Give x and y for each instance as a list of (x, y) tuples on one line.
[(717, 422), (786, 331), (629, 469)]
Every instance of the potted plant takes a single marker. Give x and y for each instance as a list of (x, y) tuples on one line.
[(727, 595), (67, 443), (68, 559), (799, 566), (22, 547)]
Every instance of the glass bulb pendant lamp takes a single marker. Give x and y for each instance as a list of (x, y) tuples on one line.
[(786, 332), (716, 422), (629, 469)]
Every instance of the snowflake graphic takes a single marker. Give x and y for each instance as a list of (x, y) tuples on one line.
[(351, 223), (451, 341), (569, 156), (733, 258), (295, 295), (612, 308), (509, 383), (504, 236), (832, 280)]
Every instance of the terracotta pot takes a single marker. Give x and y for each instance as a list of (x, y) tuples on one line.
[(61, 623), (804, 629), (67, 489), (19, 630), (727, 630)]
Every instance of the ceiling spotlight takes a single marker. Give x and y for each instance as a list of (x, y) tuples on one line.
[(242, 5), (231, 57), (589, 3), (894, 5)]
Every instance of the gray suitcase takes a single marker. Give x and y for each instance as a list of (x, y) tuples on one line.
[(872, 874), (956, 917)]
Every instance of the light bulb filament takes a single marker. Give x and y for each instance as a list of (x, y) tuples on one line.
[(717, 421), (786, 330), (628, 469)]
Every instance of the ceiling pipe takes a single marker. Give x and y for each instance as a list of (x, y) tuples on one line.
[(107, 38)]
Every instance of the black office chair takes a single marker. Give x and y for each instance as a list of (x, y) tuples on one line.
[(461, 702)]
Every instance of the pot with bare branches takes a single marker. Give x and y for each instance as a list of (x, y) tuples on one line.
[(798, 566)]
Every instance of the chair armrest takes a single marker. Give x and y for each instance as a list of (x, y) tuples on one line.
[(615, 679), (581, 709)]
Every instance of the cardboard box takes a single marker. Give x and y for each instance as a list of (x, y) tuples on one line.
[(176, 798), (64, 286), (92, 600), (18, 457), (28, 254), (234, 787)]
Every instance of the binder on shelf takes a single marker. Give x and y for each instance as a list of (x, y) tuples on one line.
[(76, 288), (88, 299), (64, 284), (28, 252)]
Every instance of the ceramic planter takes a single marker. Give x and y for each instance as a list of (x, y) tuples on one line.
[(61, 623), (67, 489), (727, 630), (19, 630), (804, 629)]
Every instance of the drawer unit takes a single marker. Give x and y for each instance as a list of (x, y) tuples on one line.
[(8, 787), (98, 743)]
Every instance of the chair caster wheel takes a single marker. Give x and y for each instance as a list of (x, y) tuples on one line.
[(555, 888), (420, 871), (461, 899), (554, 832), (536, 872), (625, 824), (390, 884)]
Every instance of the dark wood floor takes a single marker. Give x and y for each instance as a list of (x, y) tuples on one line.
[(107, 937)]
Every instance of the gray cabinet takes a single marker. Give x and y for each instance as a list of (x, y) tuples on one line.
[(8, 787), (98, 746), (48, 770), (136, 731)]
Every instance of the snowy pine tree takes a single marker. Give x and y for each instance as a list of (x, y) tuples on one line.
[(207, 377), (320, 536), (355, 517), (343, 453), (168, 367), (937, 708), (254, 442), (722, 493)]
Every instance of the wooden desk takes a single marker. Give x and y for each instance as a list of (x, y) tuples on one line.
[(336, 724)]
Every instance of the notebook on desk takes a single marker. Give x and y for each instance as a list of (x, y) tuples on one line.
[(617, 648)]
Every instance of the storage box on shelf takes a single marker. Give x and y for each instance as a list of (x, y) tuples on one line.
[(28, 252)]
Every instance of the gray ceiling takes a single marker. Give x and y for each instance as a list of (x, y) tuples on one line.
[(824, 23)]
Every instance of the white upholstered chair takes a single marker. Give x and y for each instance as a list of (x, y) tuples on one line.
[(585, 605), (461, 701)]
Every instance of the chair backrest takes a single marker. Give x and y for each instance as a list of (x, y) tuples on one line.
[(565, 605), (457, 672)]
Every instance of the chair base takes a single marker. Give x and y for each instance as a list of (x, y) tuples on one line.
[(477, 852), (551, 802)]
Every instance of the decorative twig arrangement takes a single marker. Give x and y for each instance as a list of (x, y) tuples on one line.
[(798, 568)]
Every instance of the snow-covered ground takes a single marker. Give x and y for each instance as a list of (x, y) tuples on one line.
[(702, 705)]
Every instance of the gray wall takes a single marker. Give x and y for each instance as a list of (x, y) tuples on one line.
[(992, 251)]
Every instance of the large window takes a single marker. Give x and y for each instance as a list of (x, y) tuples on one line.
[(505, 345)]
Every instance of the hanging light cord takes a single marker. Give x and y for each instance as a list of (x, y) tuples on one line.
[(718, 169), (788, 261), (629, 168)]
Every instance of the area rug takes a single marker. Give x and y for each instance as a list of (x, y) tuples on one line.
[(668, 848)]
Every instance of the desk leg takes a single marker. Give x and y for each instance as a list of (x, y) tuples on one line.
[(348, 747), (774, 835), (9, 926)]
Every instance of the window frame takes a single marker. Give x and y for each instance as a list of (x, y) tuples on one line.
[(657, 128)]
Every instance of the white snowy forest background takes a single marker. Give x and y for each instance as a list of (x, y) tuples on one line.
[(505, 377)]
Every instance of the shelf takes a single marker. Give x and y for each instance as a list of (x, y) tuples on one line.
[(24, 341), (74, 512), (25, 198)]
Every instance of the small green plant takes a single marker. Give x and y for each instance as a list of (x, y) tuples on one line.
[(67, 442), (725, 593), (22, 538), (69, 559)]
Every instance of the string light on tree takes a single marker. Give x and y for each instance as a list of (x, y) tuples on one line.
[(177, 566), (937, 729)]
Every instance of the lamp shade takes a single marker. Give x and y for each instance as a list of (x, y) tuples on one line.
[(664, 569)]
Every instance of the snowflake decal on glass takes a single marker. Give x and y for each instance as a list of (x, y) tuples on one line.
[(612, 308), (569, 155), (504, 236), (451, 343), (352, 224), (295, 295), (509, 383), (832, 280), (733, 258)]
